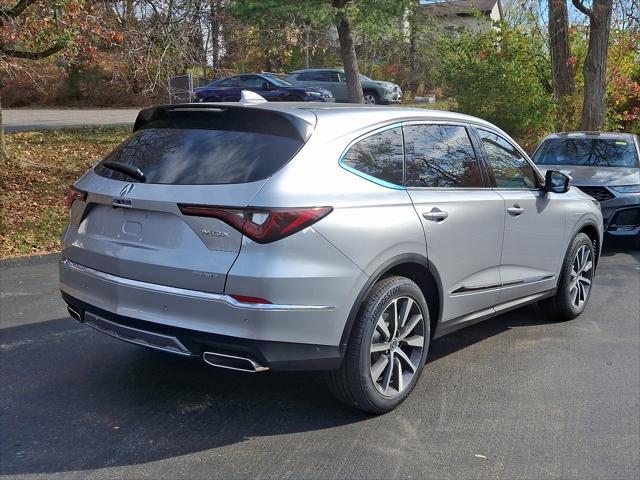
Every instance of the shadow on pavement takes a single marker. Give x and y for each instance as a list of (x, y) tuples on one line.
[(74, 399)]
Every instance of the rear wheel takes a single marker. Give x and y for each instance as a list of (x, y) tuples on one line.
[(387, 348), (576, 277)]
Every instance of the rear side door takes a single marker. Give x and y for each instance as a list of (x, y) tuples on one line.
[(327, 79), (462, 216), (534, 244), (338, 83)]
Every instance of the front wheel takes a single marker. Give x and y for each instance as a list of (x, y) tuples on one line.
[(576, 278), (370, 98), (387, 348)]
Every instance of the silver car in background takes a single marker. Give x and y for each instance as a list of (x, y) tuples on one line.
[(605, 166), (335, 80), (320, 237)]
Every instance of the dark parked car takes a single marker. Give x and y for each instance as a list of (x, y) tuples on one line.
[(603, 165), (271, 87), (334, 79)]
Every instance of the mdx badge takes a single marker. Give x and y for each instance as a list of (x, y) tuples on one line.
[(212, 233)]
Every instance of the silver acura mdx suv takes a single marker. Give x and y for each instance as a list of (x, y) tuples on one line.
[(309, 237)]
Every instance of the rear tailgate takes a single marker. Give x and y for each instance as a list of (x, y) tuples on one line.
[(134, 229)]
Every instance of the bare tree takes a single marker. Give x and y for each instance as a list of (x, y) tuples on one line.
[(348, 52), (595, 64)]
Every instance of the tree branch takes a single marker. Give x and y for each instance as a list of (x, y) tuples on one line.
[(581, 6), (32, 55), (17, 10)]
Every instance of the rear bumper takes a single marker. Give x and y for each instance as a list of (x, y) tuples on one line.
[(282, 336), (279, 356)]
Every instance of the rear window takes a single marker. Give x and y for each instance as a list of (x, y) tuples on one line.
[(193, 147), (596, 152)]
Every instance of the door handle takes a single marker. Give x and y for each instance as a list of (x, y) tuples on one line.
[(515, 210), (435, 215)]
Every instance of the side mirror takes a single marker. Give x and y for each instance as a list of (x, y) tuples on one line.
[(556, 182), (266, 85)]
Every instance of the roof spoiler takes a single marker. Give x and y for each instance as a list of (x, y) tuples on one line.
[(234, 116)]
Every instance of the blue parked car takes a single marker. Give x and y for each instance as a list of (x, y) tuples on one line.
[(270, 86)]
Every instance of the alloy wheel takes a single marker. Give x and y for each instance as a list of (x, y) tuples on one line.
[(581, 277), (369, 99), (396, 346)]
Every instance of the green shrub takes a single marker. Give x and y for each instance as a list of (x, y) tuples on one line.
[(501, 75)]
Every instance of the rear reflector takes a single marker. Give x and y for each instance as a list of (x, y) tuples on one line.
[(248, 299), (74, 194), (262, 225)]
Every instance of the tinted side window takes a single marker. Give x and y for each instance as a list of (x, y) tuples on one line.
[(228, 82), (440, 156), (250, 82), (331, 77), (510, 168), (315, 77), (380, 156)]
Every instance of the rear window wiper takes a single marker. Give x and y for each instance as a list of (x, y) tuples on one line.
[(128, 170)]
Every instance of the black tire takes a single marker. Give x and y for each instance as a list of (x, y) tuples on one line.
[(293, 98), (562, 306), (375, 99), (353, 382)]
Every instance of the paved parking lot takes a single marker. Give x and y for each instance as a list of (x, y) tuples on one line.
[(514, 397), (16, 120)]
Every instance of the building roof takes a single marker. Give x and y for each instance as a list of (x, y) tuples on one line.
[(458, 7)]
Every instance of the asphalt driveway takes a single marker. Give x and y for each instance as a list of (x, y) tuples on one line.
[(16, 120), (514, 397)]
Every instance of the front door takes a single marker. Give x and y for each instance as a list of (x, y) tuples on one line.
[(462, 216), (534, 221)]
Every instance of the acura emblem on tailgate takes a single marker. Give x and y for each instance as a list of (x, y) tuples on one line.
[(126, 190)]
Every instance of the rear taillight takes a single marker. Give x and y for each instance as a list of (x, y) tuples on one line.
[(74, 194), (262, 225)]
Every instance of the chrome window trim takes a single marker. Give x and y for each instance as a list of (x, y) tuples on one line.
[(184, 292)]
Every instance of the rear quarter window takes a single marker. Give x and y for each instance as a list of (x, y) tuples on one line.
[(378, 157)]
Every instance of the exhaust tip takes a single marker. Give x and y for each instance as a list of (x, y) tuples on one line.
[(75, 314), (232, 362)]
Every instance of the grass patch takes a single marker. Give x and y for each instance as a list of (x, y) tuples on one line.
[(34, 181), (442, 105)]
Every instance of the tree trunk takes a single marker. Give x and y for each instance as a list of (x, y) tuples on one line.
[(216, 24), (561, 68), (3, 145), (595, 64), (349, 59)]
